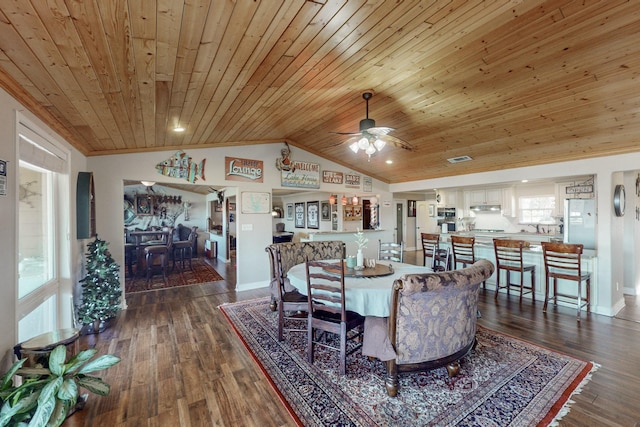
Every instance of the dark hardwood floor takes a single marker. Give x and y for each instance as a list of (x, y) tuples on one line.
[(182, 365)]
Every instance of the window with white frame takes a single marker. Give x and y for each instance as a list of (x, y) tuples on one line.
[(41, 163), (536, 209)]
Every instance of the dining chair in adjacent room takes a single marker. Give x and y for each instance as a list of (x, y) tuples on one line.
[(184, 249), (564, 261), (439, 257), (292, 305), (162, 251), (327, 312), (509, 259), (463, 248), (390, 251)]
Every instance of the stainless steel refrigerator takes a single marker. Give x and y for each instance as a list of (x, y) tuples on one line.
[(580, 222)]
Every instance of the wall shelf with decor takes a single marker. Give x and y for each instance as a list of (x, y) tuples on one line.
[(352, 212)]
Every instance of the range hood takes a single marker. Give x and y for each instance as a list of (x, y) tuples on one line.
[(486, 208)]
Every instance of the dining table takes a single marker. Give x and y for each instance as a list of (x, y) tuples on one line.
[(368, 295)]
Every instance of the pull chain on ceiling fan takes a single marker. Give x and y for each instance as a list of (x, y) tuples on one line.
[(372, 139)]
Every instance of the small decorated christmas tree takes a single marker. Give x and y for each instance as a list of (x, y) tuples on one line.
[(101, 291)]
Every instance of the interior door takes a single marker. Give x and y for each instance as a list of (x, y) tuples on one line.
[(399, 222), (422, 221)]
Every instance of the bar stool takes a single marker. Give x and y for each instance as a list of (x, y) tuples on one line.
[(509, 258), (162, 251), (463, 252), (564, 261), (184, 249), (431, 249)]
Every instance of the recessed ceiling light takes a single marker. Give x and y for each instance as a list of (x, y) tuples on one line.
[(389, 162), (178, 129), (525, 180)]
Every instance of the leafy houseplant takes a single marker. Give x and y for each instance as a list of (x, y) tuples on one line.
[(46, 395), (101, 291)]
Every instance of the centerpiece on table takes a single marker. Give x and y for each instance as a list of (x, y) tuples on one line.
[(362, 243)]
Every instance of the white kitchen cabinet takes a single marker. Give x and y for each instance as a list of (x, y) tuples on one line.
[(448, 198), (485, 197)]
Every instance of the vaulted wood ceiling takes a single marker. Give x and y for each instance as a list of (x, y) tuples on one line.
[(508, 83)]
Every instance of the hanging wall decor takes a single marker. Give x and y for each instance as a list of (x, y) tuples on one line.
[(180, 166)]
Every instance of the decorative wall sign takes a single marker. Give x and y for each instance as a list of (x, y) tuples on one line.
[(331, 177), (290, 211), (255, 203), (3, 178), (284, 163), (180, 166), (313, 215), (246, 170), (299, 215), (579, 189), (325, 211), (302, 175), (367, 184), (352, 180)]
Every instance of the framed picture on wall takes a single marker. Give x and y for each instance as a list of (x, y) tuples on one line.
[(432, 209), (299, 215), (325, 211), (290, 211), (313, 214), (144, 205), (411, 208)]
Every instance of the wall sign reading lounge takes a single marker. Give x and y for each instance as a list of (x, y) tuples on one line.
[(246, 170), (302, 175)]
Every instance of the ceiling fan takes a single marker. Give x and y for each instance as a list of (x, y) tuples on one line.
[(372, 138)]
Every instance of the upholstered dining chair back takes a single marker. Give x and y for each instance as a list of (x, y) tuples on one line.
[(433, 319)]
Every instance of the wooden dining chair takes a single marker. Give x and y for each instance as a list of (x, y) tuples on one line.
[(509, 259), (390, 251), (439, 257), (327, 312), (564, 261), (463, 248), (292, 307)]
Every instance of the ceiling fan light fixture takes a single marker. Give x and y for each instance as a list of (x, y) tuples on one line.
[(370, 150), (379, 144), (363, 143), (354, 147)]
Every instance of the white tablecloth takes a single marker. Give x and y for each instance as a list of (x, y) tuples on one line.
[(368, 296)]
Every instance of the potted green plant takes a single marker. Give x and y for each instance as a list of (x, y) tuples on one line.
[(47, 395), (101, 292)]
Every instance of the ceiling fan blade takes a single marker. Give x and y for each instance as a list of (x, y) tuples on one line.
[(397, 142), (347, 133), (379, 130)]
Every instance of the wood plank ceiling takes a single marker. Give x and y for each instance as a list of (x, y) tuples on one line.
[(508, 83)]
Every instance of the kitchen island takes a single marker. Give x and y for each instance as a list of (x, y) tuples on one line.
[(531, 255)]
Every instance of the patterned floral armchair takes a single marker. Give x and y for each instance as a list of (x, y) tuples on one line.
[(433, 320), (297, 253)]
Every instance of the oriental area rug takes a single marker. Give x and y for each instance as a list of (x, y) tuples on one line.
[(201, 273), (503, 382)]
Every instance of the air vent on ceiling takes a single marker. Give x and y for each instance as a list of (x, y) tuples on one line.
[(459, 159)]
